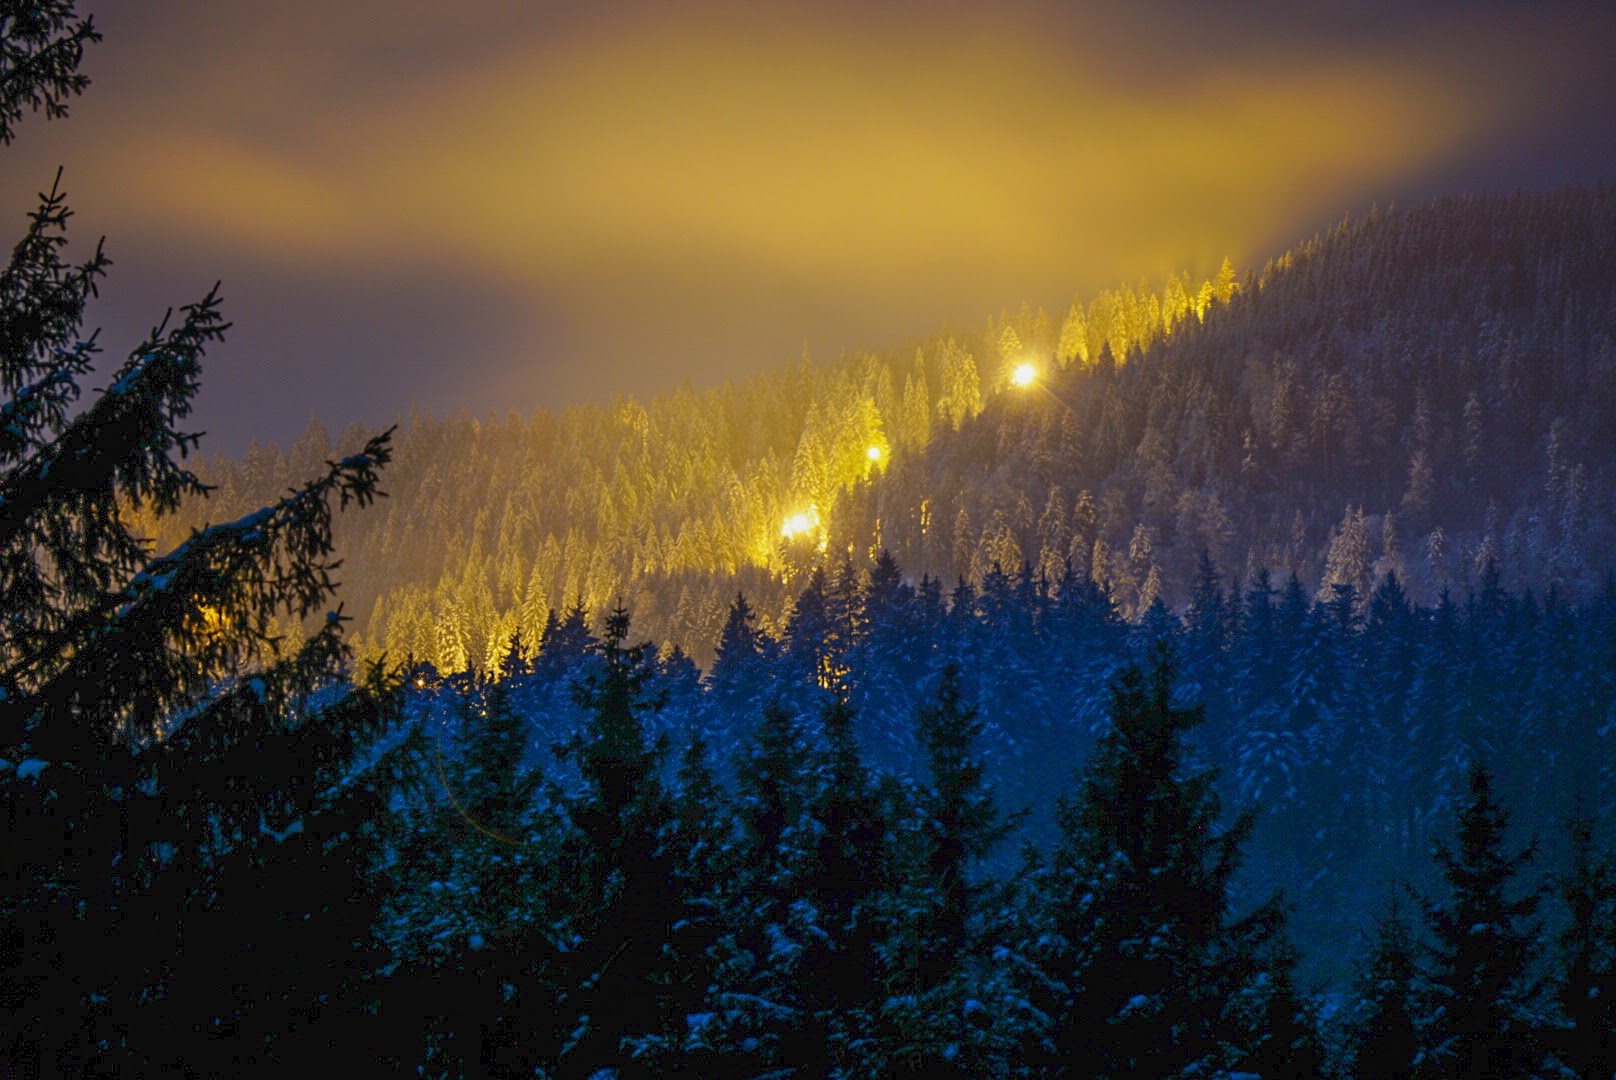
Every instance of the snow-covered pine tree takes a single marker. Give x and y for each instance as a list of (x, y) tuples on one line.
[(887, 662), (754, 1019), (174, 780), (1486, 947), (738, 680), (840, 905), (951, 1010), (1385, 1031), (1209, 629), (1146, 958), (619, 983), (735, 676), (469, 922)]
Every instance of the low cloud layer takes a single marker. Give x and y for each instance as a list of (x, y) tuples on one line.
[(643, 197)]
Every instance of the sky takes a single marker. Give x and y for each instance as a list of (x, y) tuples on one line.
[(511, 204)]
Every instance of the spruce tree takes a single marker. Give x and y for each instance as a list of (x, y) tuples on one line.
[(887, 662), (850, 869), (704, 868), (735, 663), (468, 921), (755, 1018), (807, 654), (1208, 627), (1386, 1032), (1486, 945), (177, 780), (773, 793), (961, 825), (949, 1011), (495, 787), (566, 641), (1273, 1026), (1586, 987), (1146, 948), (739, 675), (619, 987)]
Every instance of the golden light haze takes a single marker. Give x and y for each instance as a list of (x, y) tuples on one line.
[(669, 195), (663, 156)]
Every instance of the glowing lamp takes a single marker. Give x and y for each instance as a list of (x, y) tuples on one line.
[(1024, 375), (873, 453), (796, 525)]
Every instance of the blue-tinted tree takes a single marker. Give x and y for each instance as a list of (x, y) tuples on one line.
[(1486, 943)]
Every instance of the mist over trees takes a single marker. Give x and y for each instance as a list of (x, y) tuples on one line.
[(1421, 390), (1234, 697)]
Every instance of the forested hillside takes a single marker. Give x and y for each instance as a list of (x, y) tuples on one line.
[(1221, 683), (1420, 389), (833, 869), (1345, 724)]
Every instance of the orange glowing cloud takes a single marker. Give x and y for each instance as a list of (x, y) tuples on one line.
[(882, 164), (693, 186)]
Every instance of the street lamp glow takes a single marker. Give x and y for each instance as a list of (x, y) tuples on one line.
[(1024, 375), (797, 524), (873, 453)]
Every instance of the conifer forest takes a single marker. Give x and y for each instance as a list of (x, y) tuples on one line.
[(1213, 679)]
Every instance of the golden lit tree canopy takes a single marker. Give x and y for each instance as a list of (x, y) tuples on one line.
[(1295, 427)]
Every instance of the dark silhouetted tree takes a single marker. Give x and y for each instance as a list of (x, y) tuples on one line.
[(178, 781), (939, 1020), (1486, 945), (1146, 949), (1386, 1032), (1586, 988), (620, 977)]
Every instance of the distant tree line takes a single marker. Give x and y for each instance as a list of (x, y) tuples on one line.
[(230, 850), (1425, 390)]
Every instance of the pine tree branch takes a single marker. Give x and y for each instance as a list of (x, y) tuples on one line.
[(40, 50), (203, 609)]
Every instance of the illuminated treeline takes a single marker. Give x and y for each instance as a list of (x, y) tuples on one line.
[(629, 865), (492, 524), (1420, 390)]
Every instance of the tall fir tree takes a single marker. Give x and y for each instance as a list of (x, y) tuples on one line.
[(177, 780), (1586, 987), (950, 1011), (1386, 1031), (1486, 942), (620, 982), (851, 868), (1147, 956)]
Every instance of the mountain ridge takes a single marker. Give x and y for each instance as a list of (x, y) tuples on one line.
[(1420, 390)]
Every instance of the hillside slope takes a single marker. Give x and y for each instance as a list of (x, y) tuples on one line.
[(1421, 389)]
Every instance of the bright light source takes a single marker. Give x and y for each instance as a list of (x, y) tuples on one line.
[(799, 523), (1024, 375), (873, 453)]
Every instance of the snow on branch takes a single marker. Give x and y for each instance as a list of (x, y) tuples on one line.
[(198, 612)]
